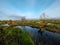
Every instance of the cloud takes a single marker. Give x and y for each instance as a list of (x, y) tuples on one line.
[(29, 8), (54, 10), (15, 17)]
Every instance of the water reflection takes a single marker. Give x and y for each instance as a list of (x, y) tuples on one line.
[(48, 38), (4, 25)]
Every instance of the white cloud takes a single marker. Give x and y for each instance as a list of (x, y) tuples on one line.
[(53, 10)]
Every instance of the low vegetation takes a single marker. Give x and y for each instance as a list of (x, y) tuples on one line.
[(54, 24), (14, 36)]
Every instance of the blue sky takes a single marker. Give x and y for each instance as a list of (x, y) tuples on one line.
[(31, 9)]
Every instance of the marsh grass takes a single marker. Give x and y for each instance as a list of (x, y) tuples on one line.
[(15, 36)]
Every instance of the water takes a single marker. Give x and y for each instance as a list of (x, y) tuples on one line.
[(4, 25), (46, 37)]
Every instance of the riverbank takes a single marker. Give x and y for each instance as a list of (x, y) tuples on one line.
[(14, 36)]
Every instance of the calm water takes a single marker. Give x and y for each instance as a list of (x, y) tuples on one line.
[(46, 37)]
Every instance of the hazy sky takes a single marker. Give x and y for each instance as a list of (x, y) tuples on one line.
[(31, 9)]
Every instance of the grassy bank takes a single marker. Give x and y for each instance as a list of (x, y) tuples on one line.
[(14, 36)]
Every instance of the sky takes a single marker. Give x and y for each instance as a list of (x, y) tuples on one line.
[(31, 9)]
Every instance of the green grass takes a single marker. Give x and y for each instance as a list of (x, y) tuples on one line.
[(16, 36)]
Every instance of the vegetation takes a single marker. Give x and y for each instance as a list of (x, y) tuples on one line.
[(54, 24), (14, 36), (10, 35)]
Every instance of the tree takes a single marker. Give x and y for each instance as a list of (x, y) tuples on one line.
[(43, 16), (23, 19)]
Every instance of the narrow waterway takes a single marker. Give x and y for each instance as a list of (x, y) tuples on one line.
[(48, 38)]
